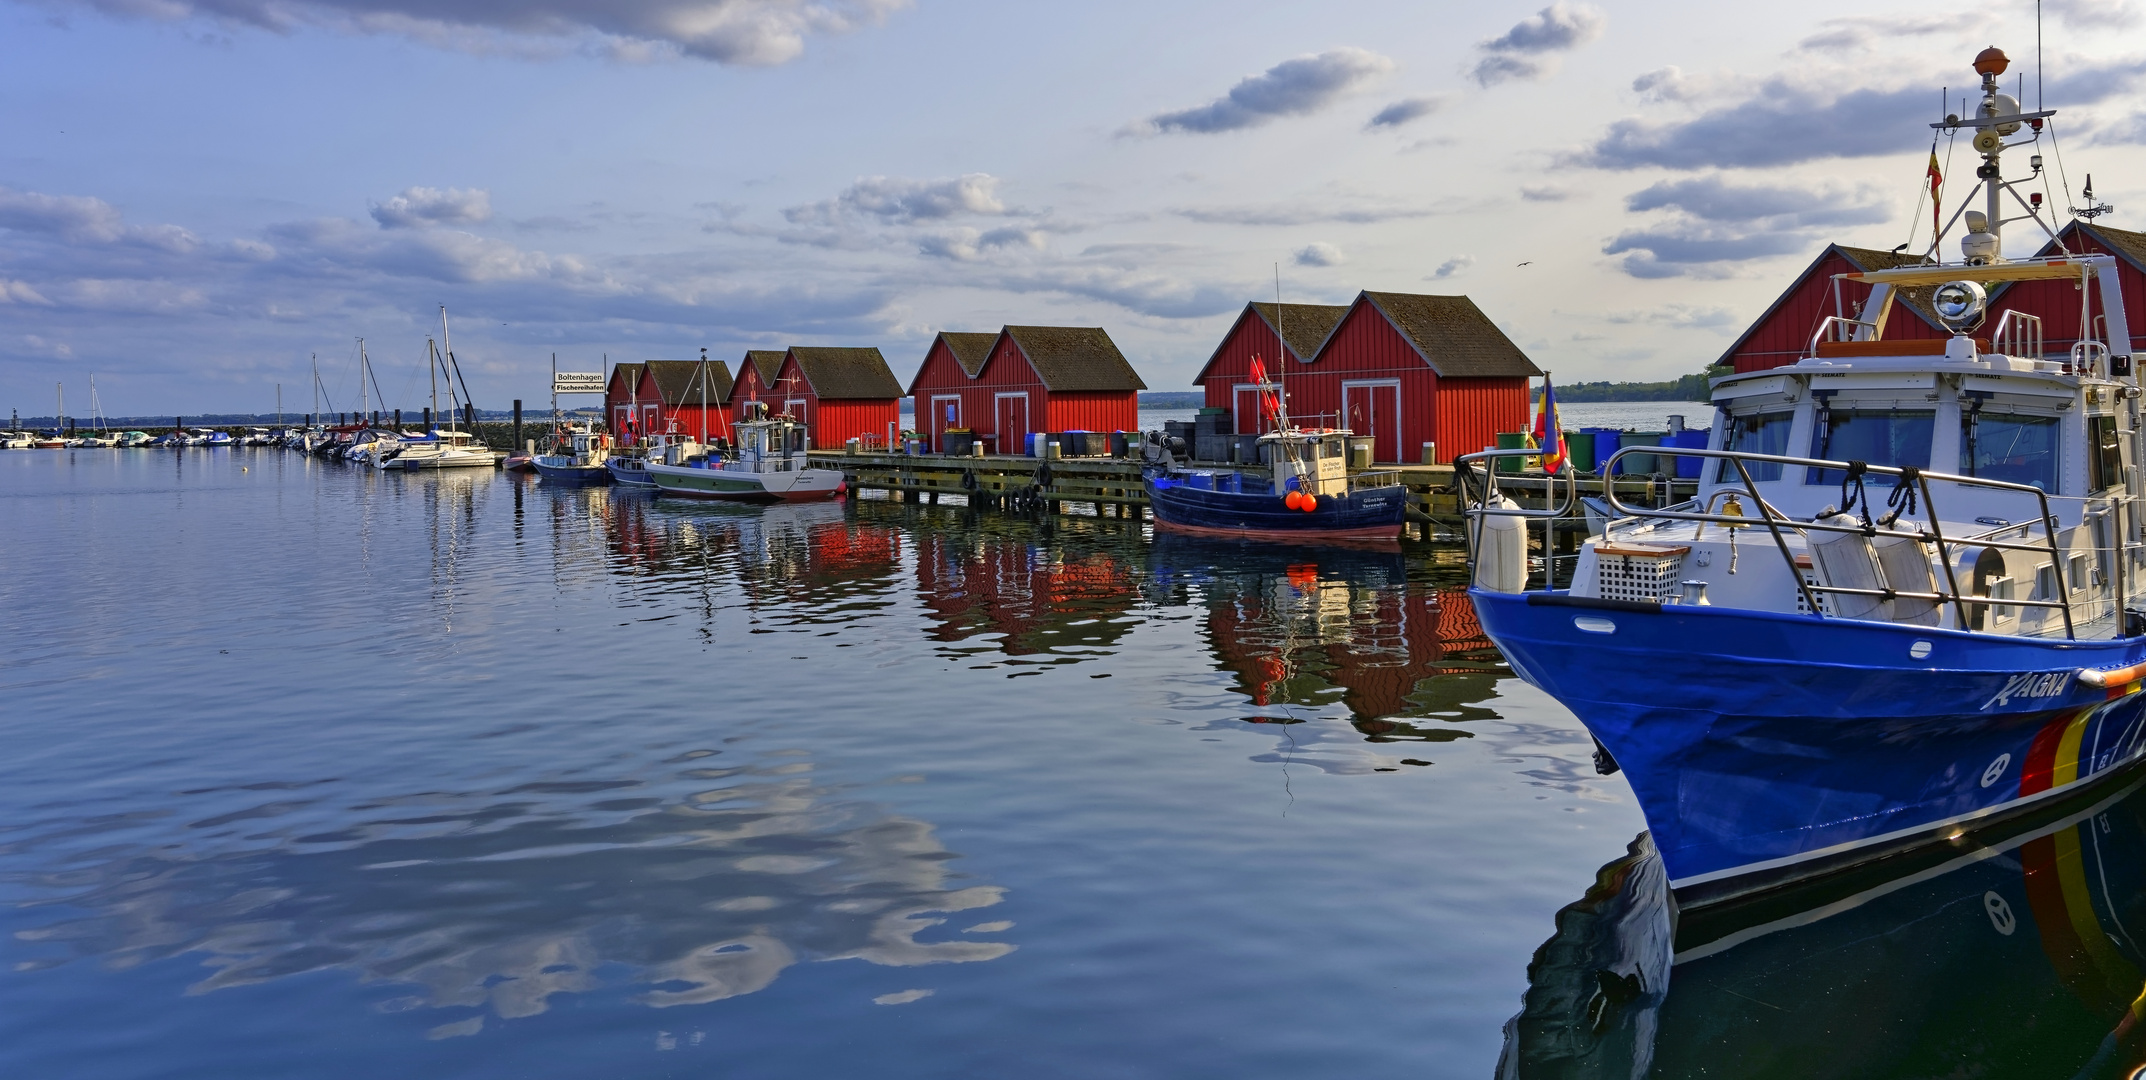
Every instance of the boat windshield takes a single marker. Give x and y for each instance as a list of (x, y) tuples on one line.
[(1879, 437), (2018, 449), (1757, 433)]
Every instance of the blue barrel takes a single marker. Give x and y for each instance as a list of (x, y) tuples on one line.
[(1605, 445), (1688, 468)]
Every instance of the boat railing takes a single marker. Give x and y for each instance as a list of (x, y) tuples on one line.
[(2018, 334), (2089, 358), (1382, 478), (1466, 482), (1834, 327), (1778, 524)]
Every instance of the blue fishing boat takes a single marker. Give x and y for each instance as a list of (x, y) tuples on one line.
[(576, 456), (1299, 489), (1906, 601)]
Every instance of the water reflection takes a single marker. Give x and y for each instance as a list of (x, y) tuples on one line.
[(499, 901), (2017, 959)]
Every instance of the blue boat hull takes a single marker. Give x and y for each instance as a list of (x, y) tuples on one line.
[(590, 474), (1370, 514), (1769, 747), (629, 473)]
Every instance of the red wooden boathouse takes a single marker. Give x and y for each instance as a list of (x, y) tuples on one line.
[(1293, 330), (945, 386), (1402, 369), (621, 409), (839, 393), (1031, 378), (671, 393), (756, 373), (1782, 335)]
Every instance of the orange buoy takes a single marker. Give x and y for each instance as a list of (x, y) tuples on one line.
[(1308, 503), (1290, 500)]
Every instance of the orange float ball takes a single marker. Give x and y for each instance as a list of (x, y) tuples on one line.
[(1308, 503)]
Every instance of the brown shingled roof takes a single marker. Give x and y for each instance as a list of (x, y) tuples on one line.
[(632, 372), (766, 361), (1075, 359), (1304, 326), (1453, 336), (679, 382), (970, 350), (837, 374)]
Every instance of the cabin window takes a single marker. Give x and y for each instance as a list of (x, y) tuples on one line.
[(1757, 433), (2017, 449), (2106, 462), (1893, 437)]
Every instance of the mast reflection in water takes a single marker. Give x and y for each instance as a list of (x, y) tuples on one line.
[(2017, 959)]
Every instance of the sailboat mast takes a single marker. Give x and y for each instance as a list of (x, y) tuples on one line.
[(316, 388), (364, 402), (447, 349), (704, 395), (432, 369)]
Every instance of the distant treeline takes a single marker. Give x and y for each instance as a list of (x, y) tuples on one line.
[(1688, 388)]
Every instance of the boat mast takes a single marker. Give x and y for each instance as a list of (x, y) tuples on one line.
[(447, 351), (432, 369), (59, 408), (704, 396), (316, 388), (364, 403)]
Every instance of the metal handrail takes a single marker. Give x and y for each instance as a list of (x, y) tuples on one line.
[(1463, 474), (1832, 323), (1375, 479), (1773, 520), (2018, 334)]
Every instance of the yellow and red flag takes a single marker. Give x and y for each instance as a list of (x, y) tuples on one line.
[(1549, 433)]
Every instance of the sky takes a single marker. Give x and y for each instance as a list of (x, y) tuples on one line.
[(201, 198)]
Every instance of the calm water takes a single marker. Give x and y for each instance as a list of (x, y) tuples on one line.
[(321, 771)]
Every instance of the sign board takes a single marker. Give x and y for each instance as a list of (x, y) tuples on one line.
[(577, 382)]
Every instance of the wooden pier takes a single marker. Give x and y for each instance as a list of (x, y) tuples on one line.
[(1112, 487)]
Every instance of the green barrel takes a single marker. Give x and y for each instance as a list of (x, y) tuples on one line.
[(1580, 450), (1511, 440)]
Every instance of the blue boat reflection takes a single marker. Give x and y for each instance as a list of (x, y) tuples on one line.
[(2017, 955)]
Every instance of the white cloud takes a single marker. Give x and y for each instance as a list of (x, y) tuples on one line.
[(744, 32), (901, 201), (1293, 87), (1320, 253), (82, 219), (1712, 223), (1529, 50), (969, 245), (421, 206), (1452, 267)]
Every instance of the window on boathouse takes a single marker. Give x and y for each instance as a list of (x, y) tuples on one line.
[(1757, 433), (2012, 447), (1879, 437)]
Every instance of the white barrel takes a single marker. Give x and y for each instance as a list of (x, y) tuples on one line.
[(1501, 559)]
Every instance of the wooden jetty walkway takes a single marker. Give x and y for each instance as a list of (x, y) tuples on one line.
[(1111, 487)]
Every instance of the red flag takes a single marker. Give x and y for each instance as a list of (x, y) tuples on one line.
[(1937, 181), (1259, 371)]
